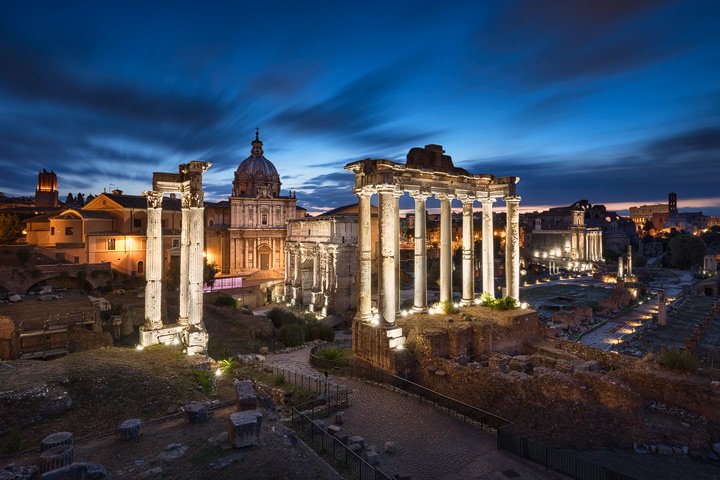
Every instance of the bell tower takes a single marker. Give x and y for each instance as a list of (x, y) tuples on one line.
[(46, 193)]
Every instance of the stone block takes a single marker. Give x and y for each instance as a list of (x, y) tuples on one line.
[(244, 428), (56, 457), (246, 396), (372, 457), (195, 412), (55, 439), (390, 447), (664, 450), (356, 448), (76, 471), (129, 429), (460, 341), (398, 342), (319, 425), (438, 343), (358, 441), (394, 333), (333, 430), (339, 418)]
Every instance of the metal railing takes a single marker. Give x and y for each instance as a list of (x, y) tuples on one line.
[(329, 393)]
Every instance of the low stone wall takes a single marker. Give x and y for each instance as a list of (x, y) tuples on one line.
[(578, 409), (609, 361)]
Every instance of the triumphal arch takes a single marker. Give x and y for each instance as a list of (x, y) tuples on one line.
[(427, 172), (189, 329)]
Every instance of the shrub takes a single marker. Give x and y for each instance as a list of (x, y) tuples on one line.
[(23, 255), (327, 333), (225, 301), (228, 365), (280, 317), (335, 355), (315, 330), (206, 380), (678, 359), (448, 307), (279, 380), (292, 335), (507, 303)]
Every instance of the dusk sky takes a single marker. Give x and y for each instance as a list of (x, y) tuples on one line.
[(613, 101)]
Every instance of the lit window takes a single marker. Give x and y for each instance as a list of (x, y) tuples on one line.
[(141, 267), (111, 244)]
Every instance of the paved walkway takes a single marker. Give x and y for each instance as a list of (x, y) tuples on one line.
[(430, 443)]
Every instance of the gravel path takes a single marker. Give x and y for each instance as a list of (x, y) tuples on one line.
[(431, 444)]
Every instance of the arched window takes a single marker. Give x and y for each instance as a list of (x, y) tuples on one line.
[(141, 267)]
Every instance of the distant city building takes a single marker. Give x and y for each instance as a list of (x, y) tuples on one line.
[(46, 192), (321, 260), (561, 238), (246, 233)]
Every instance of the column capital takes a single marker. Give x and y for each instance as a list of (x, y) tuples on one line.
[(465, 198), (419, 195), (364, 192), (185, 200), (485, 200), (512, 199), (154, 199), (444, 196)]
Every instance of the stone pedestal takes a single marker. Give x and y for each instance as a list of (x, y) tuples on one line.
[(196, 339), (56, 457), (246, 397), (195, 412), (56, 439), (167, 335), (129, 429), (244, 428)]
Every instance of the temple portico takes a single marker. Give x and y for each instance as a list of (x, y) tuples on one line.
[(428, 173)]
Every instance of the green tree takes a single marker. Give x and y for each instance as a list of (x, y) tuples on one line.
[(10, 228), (686, 250), (209, 272)]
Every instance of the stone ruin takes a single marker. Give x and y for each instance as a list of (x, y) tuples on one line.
[(428, 172), (189, 329)]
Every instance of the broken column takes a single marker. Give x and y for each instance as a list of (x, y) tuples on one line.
[(246, 397), (244, 428)]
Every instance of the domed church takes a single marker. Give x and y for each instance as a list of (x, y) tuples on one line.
[(250, 230)]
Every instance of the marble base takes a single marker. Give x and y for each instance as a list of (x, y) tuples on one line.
[(167, 335)]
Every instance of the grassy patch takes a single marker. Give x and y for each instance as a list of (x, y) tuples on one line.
[(338, 355), (678, 359)]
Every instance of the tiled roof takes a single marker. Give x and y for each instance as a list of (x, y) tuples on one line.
[(140, 202)]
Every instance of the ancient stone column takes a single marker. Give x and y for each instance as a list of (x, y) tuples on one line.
[(364, 300), (397, 253), (420, 287), (153, 261), (488, 261), (195, 262), (630, 259), (287, 289), (662, 308), (184, 258), (468, 272), (512, 247), (445, 249), (388, 257), (620, 272)]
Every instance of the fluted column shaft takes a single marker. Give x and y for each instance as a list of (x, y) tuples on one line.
[(364, 298), (468, 272), (154, 261), (445, 250), (488, 260), (397, 252), (196, 263), (184, 259), (420, 287), (512, 247), (388, 257)]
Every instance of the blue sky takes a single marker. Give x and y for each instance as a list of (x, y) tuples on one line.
[(615, 101)]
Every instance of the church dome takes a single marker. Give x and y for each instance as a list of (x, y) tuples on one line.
[(256, 176)]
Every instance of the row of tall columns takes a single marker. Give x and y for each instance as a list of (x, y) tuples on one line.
[(420, 280), (195, 260), (154, 261), (488, 255), (445, 250), (364, 311), (468, 273), (512, 247), (387, 285), (388, 251), (191, 260)]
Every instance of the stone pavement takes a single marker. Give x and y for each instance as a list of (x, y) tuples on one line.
[(431, 444)]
